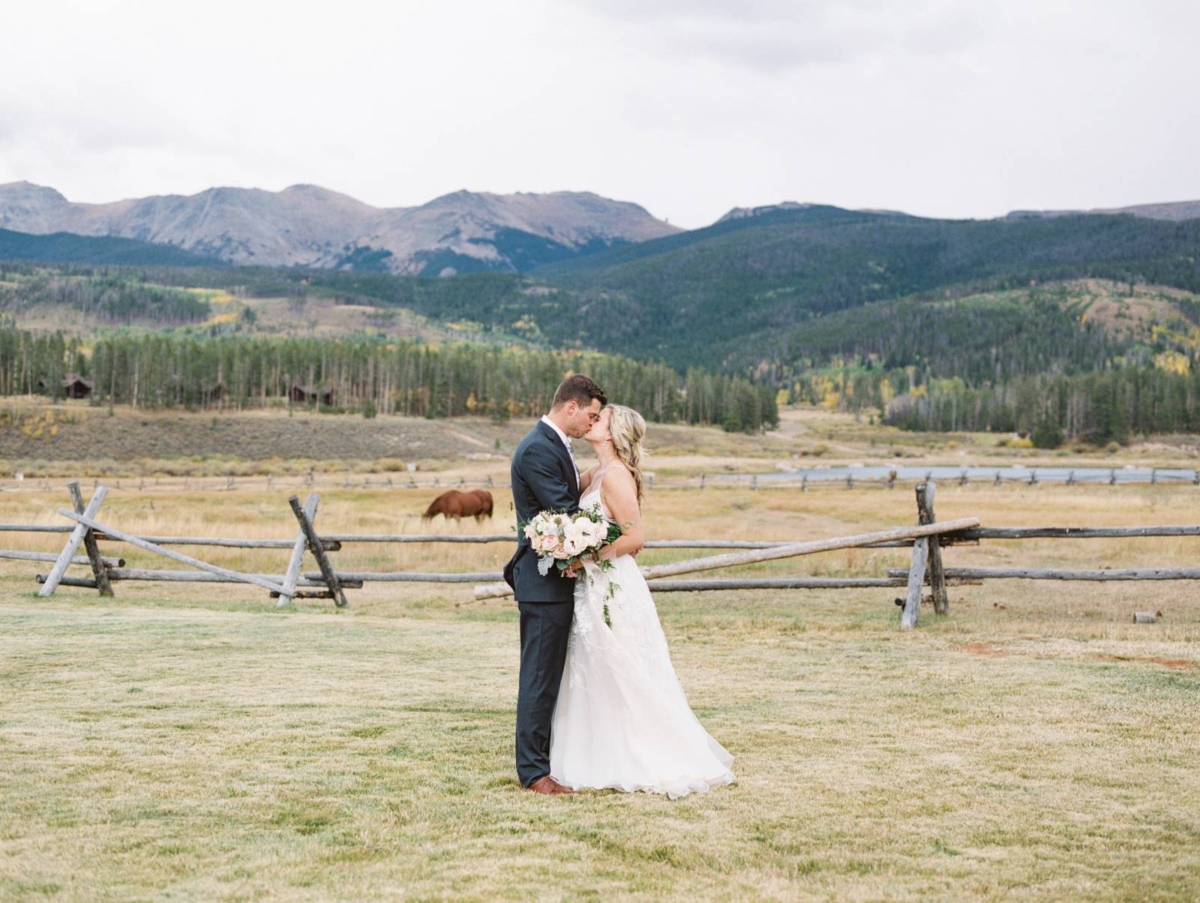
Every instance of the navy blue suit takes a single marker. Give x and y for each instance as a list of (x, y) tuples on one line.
[(543, 479)]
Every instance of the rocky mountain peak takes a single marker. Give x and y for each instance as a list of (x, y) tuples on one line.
[(307, 225)]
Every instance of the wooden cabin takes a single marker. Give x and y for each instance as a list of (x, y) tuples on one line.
[(310, 395), (75, 386)]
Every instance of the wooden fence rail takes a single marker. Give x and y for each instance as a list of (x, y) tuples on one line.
[(867, 477), (333, 541), (1096, 574), (787, 550)]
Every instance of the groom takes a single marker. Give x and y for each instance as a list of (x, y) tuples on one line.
[(545, 478)]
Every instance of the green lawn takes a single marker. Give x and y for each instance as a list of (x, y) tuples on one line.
[(209, 748)]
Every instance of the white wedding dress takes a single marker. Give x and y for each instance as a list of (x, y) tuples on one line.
[(622, 721)]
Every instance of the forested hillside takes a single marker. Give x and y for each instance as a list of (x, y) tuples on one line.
[(63, 247), (110, 297), (748, 291), (1082, 359)]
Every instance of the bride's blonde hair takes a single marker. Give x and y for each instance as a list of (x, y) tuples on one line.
[(626, 428)]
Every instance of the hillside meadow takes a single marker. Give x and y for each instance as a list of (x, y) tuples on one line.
[(196, 742)]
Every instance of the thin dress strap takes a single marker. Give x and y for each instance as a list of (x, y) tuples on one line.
[(594, 487)]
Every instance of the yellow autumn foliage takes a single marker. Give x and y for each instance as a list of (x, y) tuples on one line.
[(886, 391), (1173, 362)]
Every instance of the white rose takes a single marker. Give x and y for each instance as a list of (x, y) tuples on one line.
[(595, 534)]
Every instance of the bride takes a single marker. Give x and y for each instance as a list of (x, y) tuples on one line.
[(622, 720)]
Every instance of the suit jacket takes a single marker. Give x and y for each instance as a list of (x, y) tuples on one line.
[(543, 479)]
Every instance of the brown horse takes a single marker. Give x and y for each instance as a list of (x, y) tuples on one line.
[(457, 504)]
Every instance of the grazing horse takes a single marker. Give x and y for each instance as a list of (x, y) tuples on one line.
[(457, 504)]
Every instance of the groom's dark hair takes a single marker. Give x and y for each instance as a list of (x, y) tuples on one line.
[(579, 389)]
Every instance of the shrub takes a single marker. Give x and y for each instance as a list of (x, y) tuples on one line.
[(1047, 434)]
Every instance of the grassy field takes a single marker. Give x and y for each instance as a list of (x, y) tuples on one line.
[(187, 742)]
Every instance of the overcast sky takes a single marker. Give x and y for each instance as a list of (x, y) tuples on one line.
[(944, 108)]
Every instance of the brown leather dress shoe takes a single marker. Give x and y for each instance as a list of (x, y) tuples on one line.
[(550, 787)]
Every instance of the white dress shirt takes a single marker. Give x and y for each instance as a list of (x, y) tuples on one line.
[(566, 442)]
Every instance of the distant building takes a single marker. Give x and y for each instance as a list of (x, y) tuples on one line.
[(76, 386), (309, 394)]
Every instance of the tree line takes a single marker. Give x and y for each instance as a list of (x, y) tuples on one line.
[(370, 376), (1109, 406)]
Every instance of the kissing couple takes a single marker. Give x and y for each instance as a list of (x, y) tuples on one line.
[(599, 705)]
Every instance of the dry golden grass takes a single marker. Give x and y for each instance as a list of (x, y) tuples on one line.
[(194, 742), (77, 439)]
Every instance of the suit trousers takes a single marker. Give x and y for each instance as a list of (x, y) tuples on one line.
[(545, 629)]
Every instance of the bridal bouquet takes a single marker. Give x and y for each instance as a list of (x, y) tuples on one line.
[(562, 540)]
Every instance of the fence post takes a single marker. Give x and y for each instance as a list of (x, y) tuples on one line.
[(937, 573), (318, 550), (64, 559), (297, 559), (89, 543), (916, 581)]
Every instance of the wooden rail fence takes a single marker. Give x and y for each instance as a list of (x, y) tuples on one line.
[(927, 540), (849, 477)]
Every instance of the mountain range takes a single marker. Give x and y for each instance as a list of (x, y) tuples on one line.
[(313, 227), (309, 226), (1175, 211)]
